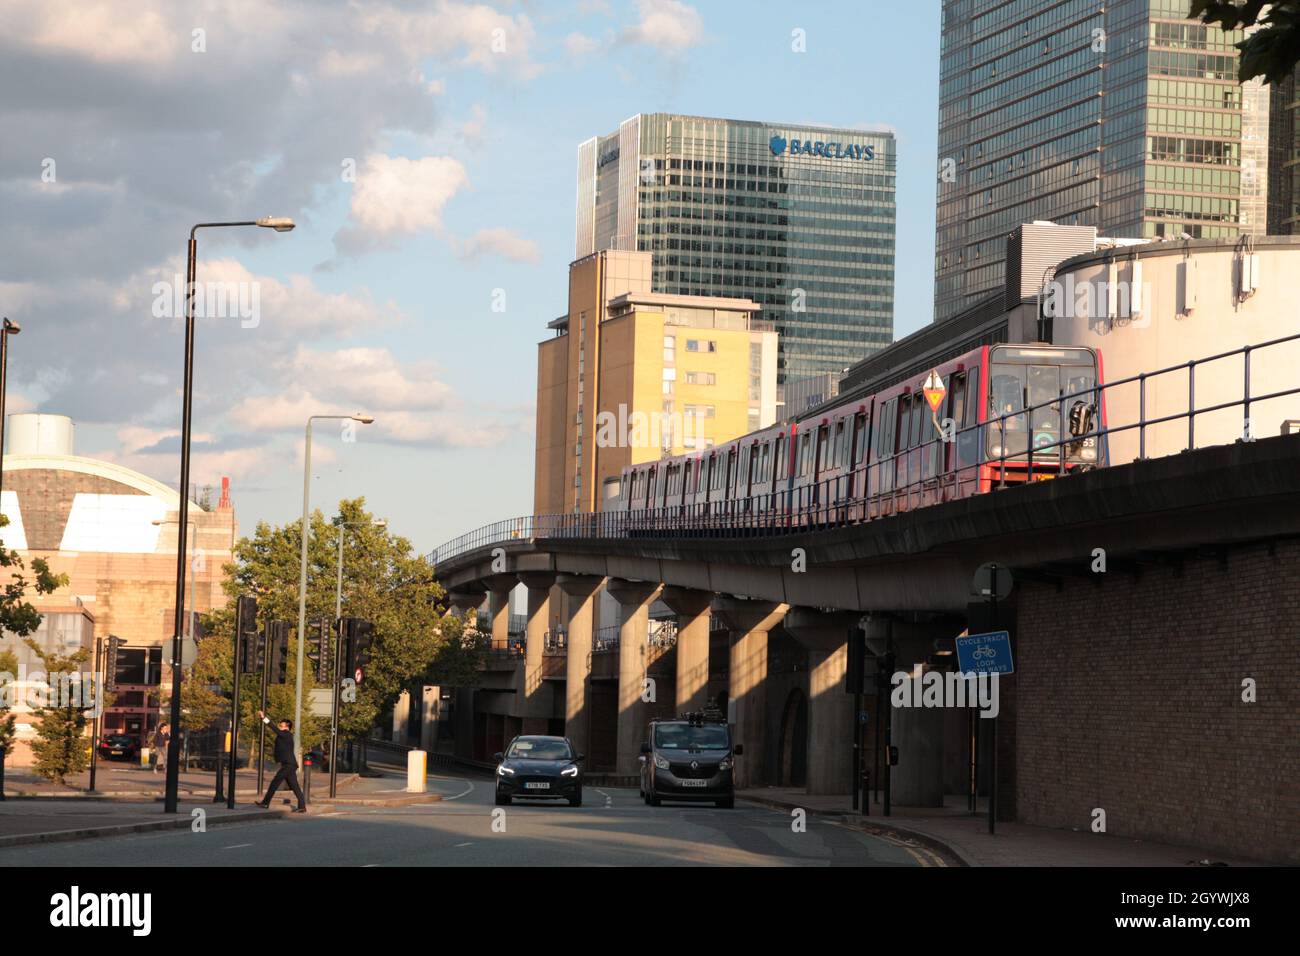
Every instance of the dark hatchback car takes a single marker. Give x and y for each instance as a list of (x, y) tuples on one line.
[(119, 747), (536, 767), (689, 758)]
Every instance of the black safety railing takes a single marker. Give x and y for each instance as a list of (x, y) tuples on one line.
[(959, 462)]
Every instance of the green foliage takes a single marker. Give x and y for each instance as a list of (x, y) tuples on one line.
[(1271, 51), (8, 665), (17, 617), (384, 581), (61, 746)]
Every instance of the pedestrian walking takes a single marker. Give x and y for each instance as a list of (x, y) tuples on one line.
[(161, 740), (288, 761)]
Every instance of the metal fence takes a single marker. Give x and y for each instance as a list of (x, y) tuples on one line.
[(915, 478)]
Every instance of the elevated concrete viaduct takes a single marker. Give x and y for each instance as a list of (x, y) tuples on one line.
[(1167, 585)]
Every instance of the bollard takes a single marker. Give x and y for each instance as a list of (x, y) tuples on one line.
[(416, 771)]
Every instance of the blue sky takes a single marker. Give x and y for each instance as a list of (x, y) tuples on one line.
[(462, 121)]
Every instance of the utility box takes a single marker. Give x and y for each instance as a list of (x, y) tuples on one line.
[(416, 771)]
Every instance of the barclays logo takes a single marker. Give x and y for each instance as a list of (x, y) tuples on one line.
[(808, 147)]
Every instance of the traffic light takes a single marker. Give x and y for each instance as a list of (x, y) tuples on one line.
[(359, 635), (246, 633), (318, 649), (110, 663), (277, 639)]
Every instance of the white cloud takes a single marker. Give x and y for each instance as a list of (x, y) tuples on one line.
[(501, 242), (479, 35), (579, 45), (396, 196), (669, 26)]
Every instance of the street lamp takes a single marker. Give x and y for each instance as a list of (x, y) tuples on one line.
[(10, 328), (279, 224), (302, 575)]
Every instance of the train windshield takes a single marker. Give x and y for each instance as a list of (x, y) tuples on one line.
[(1026, 387)]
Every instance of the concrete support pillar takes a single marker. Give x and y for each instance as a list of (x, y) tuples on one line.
[(499, 588), (692, 610), (535, 707), (830, 709), (459, 602), (634, 599), (402, 716), (580, 590), (748, 623), (917, 779)]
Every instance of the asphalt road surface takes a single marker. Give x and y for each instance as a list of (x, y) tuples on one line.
[(612, 828)]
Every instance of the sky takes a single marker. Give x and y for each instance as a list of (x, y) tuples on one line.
[(427, 153)]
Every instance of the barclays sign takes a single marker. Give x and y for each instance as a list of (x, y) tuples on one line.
[(808, 147)]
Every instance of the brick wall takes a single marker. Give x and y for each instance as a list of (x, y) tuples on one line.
[(1129, 699)]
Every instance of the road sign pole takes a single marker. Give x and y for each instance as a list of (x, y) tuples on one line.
[(993, 754)]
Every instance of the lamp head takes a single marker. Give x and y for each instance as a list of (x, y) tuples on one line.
[(11, 327), (363, 419), (278, 223)]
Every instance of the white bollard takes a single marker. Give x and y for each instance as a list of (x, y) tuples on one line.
[(416, 771)]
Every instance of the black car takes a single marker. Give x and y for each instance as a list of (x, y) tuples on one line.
[(119, 747), (689, 758), (539, 767)]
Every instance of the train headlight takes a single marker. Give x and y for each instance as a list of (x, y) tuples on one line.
[(1088, 454), (995, 451)]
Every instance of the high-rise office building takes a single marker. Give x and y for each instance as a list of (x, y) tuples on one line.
[(1125, 115), (798, 219)]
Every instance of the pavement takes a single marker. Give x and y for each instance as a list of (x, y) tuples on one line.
[(128, 800), (963, 839), (464, 827)]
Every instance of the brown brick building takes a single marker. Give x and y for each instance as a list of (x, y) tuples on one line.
[(114, 532)]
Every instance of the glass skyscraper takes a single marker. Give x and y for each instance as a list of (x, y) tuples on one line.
[(1125, 115), (799, 219)]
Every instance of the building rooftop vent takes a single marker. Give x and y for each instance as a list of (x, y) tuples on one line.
[(33, 434)]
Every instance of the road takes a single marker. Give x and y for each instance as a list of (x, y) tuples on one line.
[(612, 828)]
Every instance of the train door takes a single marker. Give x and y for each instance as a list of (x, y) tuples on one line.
[(952, 452), (903, 442), (883, 456), (650, 489)]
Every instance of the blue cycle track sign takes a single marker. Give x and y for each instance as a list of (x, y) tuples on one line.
[(985, 653)]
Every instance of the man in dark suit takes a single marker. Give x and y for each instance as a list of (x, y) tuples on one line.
[(285, 757)]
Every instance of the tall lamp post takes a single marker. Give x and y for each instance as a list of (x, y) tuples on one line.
[(9, 328), (279, 224), (302, 575)]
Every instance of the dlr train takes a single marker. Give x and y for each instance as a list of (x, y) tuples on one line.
[(1006, 414)]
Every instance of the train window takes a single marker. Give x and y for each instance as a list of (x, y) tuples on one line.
[(802, 463), (957, 400), (859, 437), (904, 423), (919, 407), (823, 439), (779, 454), (766, 468), (837, 445), (972, 397)]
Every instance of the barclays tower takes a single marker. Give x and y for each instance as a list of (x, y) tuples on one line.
[(799, 219)]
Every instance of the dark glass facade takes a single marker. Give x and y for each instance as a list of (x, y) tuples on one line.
[(1124, 115), (800, 220)]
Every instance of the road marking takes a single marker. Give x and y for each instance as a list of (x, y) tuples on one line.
[(459, 845), (236, 846), (366, 866)]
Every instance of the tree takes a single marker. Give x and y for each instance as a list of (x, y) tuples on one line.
[(19, 618), (1271, 51), (384, 581), (60, 746)]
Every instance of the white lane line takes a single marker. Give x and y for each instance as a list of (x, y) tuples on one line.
[(468, 788), (459, 845), (609, 800), (236, 846), (366, 866)]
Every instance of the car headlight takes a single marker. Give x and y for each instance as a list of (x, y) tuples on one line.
[(660, 762), (725, 763), (569, 771), (503, 771)]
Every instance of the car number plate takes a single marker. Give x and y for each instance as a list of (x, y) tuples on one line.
[(1043, 477), (693, 783), (534, 785), (117, 753)]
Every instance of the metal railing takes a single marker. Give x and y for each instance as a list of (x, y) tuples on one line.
[(936, 470)]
